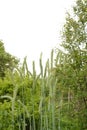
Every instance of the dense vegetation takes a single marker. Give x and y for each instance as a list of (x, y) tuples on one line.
[(55, 99), (7, 61)]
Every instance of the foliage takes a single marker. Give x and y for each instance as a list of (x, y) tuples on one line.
[(55, 99), (71, 70), (75, 28), (30, 97), (7, 61)]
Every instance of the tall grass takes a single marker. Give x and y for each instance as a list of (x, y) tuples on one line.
[(37, 103)]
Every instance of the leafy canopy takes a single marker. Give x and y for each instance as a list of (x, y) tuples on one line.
[(7, 61), (75, 28), (72, 71)]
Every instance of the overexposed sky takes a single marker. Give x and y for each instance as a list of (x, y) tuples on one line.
[(29, 27)]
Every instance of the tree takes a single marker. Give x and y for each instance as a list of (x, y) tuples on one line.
[(7, 61), (75, 28), (73, 71)]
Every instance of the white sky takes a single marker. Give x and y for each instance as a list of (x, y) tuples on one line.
[(29, 27)]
